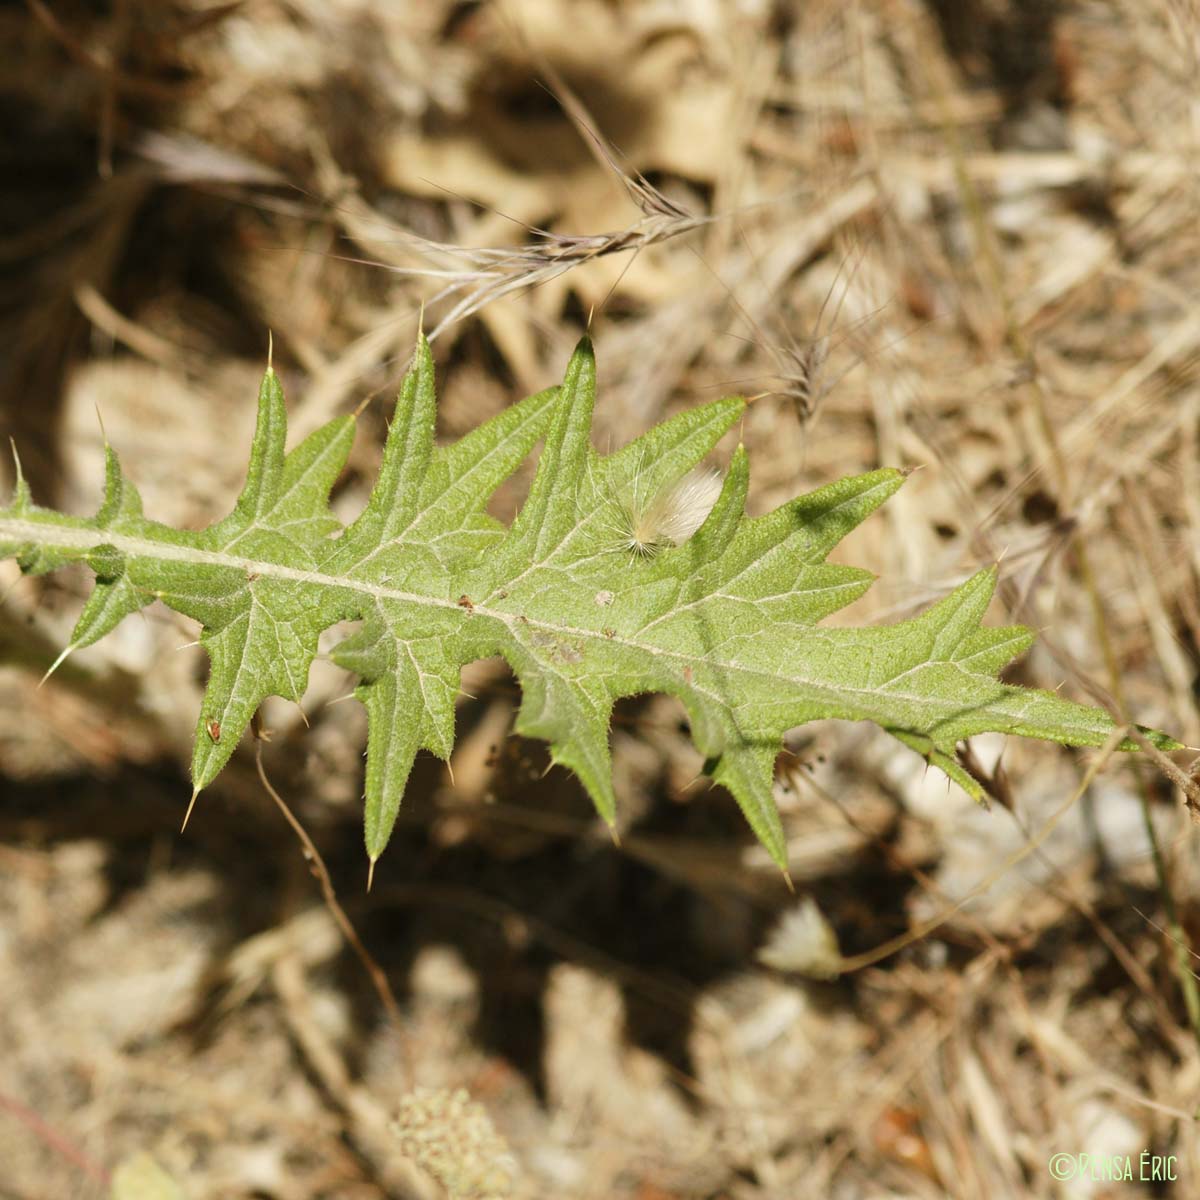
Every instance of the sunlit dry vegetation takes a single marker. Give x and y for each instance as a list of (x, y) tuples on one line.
[(959, 237)]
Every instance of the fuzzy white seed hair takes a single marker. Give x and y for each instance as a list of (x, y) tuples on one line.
[(669, 517), (803, 942)]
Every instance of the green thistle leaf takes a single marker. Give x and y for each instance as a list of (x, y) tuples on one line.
[(724, 615)]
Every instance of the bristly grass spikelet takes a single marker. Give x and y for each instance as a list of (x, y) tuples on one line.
[(716, 608), (800, 374)]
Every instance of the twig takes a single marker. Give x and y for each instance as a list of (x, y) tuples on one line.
[(368, 1120), (317, 864), (49, 1136)]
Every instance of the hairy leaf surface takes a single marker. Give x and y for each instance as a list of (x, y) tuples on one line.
[(728, 620)]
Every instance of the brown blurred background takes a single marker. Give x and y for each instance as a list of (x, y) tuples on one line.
[(955, 236)]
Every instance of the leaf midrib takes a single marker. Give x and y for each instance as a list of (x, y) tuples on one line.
[(83, 539)]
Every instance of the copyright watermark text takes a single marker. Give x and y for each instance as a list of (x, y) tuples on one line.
[(1108, 1168)]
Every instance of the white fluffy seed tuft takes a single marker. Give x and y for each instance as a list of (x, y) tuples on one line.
[(671, 516), (803, 942)]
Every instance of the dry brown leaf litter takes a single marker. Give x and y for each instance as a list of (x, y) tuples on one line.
[(918, 181)]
